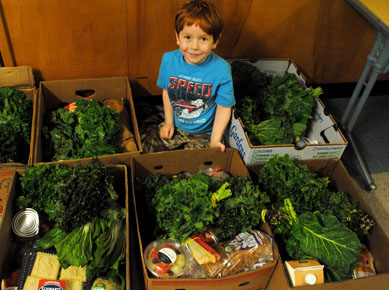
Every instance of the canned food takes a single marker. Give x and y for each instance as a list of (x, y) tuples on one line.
[(25, 223)]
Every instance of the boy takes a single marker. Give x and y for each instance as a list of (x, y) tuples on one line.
[(197, 89)]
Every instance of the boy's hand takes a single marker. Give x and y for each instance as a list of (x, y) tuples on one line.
[(167, 131), (218, 144)]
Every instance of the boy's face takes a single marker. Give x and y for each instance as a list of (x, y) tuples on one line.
[(195, 44)]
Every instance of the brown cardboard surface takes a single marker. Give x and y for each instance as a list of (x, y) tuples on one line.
[(54, 93), (9, 180), (171, 162), (22, 78), (7, 194), (6, 178), (378, 242)]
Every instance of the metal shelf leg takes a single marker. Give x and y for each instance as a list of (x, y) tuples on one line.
[(378, 59)]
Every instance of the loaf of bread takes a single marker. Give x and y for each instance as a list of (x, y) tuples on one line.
[(247, 251)]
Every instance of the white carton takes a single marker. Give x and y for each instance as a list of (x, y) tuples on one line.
[(323, 129)]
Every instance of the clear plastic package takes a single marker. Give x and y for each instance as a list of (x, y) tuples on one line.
[(167, 259)]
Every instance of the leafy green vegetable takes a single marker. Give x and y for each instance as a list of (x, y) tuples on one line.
[(242, 211), (90, 130), (269, 132), (15, 125), (185, 206), (283, 178), (325, 238), (248, 81), (70, 196), (99, 244), (273, 109)]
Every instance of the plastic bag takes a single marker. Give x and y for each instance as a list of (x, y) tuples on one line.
[(247, 251), (216, 173)]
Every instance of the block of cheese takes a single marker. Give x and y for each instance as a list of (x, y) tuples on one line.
[(73, 285), (73, 273), (46, 266), (31, 283)]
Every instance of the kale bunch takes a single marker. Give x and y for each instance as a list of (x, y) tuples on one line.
[(282, 178), (15, 125), (242, 211), (188, 205), (70, 196), (274, 109), (90, 130)]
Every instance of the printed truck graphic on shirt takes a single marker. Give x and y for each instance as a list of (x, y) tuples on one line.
[(189, 110), (189, 98)]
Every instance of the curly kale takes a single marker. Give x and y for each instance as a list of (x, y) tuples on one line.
[(242, 211), (90, 130), (70, 196), (283, 178), (16, 112)]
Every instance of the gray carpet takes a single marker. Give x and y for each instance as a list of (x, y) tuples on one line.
[(370, 133)]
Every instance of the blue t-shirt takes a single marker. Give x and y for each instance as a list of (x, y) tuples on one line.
[(195, 90)]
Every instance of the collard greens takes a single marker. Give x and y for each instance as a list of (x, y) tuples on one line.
[(325, 238)]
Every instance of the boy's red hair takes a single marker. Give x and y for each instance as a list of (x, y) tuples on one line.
[(203, 13)]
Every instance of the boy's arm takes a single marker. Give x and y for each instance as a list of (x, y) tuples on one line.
[(167, 129), (222, 118)]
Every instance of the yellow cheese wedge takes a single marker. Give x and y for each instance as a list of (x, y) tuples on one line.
[(31, 283), (46, 266), (73, 273)]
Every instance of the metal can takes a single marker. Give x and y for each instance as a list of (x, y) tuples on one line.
[(25, 223)]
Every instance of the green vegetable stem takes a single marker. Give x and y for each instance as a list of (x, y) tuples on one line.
[(221, 193)]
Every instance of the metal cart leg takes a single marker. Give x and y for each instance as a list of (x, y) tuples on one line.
[(378, 59)]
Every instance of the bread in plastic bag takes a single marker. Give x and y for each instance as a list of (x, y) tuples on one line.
[(247, 251)]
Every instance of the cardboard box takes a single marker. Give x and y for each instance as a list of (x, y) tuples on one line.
[(53, 94), (7, 178), (22, 78), (323, 127), (174, 162), (10, 245), (377, 240)]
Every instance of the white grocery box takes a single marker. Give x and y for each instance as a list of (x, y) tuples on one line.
[(322, 128)]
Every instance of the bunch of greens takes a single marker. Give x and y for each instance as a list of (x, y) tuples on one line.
[(322, 237), (15, 125), (90, 130), (273, 109), (248, 81), (70, 196), (184, 206), (283, 178), (242, 211), (100, 245)]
